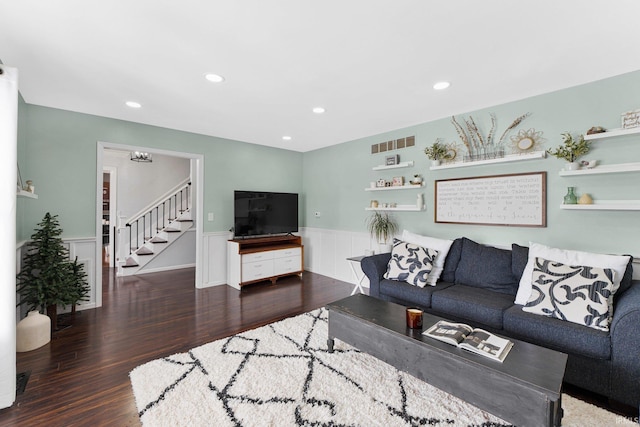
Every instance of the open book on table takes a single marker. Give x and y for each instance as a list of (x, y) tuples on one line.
[(475, 340)]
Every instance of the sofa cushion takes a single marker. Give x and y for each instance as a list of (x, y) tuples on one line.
[(578, 294), (559, 335), (440, 245), (519, 258), (485, 267), (627, 279), (475, 304), (410, 263), (617, 263), (404, 293), (451, 262)]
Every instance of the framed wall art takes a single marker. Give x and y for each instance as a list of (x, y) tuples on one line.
[(518, 200)]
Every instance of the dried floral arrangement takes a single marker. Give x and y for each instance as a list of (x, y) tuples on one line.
[(479, 147)]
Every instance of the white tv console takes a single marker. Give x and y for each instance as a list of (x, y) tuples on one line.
[(254, 260)]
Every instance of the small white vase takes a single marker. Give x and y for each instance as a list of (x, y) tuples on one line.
[(435, 162), (572, 166), (33, 332)]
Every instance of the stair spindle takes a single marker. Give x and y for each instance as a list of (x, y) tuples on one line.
[(129, 226)]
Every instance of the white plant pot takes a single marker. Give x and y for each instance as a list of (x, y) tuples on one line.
[(435, 162), (384, 248), (572, 166), (33, 331)]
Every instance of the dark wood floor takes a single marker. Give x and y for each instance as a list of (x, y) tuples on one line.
[(81, 378)]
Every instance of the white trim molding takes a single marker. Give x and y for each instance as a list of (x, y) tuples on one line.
[(214, 249)]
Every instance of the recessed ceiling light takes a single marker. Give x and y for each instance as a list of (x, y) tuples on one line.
[(286, 138), (215, 78), (133, 104), (319, 110), (441, 85)]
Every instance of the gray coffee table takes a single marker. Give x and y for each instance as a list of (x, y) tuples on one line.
[(524, 390)]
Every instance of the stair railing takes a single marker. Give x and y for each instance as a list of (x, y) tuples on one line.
[(164, 209)]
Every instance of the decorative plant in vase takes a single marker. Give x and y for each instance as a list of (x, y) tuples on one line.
[(47, 277), (437, 152), (382, 226), (571, 150)]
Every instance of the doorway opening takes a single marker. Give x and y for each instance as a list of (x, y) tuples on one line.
[(109, 216)]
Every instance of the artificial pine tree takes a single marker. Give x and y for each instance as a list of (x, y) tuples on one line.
[(47, 277)]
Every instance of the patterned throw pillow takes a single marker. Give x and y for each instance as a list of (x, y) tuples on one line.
[(578, 294), (410, 263)]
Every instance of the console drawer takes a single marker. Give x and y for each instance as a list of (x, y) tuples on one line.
[(257, 270), (258, 256), (284, 253), (287, 265)]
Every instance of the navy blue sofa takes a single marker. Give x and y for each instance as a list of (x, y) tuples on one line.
[(478, 286)]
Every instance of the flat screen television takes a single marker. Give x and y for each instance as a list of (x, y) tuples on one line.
[(261, 213)]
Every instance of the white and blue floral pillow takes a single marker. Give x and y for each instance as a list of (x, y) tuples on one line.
[(410, 263), (577, 294)]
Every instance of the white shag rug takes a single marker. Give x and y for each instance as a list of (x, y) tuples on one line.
[(282, 375)]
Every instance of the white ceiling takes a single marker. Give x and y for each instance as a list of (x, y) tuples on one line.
[(370, 63)]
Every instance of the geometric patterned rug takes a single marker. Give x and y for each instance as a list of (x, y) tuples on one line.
[(283, 375)]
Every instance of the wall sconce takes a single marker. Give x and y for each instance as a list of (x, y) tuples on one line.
[(138, 156)]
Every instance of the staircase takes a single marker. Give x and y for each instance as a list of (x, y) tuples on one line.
[(148, 234)]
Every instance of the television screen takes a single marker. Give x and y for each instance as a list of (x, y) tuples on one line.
[(258, 213)]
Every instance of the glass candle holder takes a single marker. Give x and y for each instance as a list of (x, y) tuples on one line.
[(414, 318)]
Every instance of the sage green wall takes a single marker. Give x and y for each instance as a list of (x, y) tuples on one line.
[(57, 150), (335, 177)]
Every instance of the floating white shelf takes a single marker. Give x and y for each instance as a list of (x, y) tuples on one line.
[(607, 205), (408, 208), (622, 167), (397, 187), (508, 158), (612, 133), (22, 193), (399, 165)]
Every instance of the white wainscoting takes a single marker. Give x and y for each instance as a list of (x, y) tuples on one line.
[(214, 255), (326, 252)]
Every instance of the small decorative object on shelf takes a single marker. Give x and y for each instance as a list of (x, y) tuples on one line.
[(526, 141), (29, 186), (381, 183), (439, 151), (417, 180), (631, 119), (570, 198), (478, 146), (589, 164), (392, 160), (374, 203), (585, 199), (420, 201), (398, 181), (571, 150), (596, 129)]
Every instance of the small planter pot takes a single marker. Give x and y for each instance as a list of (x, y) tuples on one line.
[(435, 162), (572, 166), (33, 332)]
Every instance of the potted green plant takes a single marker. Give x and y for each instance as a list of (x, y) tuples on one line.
[(571, 150), (382, 226), (77, 286), (437, 152), (47, 277)]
